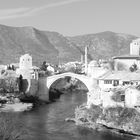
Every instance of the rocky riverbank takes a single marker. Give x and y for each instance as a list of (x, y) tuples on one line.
[(120, 120), (11, 102)]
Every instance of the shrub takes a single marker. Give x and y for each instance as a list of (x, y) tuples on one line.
[(94, 112), (85, 114), (9, 84), (133, 68), (118, 95)]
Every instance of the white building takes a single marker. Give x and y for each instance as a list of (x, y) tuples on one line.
[(25, 68), (135, 47), (126, 61), (113, 79), (29, 74), (94, 70), (25, 62), (132, 97)]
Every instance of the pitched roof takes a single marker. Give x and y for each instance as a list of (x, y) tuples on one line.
[(127, 57), (121, 75)]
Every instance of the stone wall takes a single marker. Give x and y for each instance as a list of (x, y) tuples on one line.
[(33, 87), (43, 93)]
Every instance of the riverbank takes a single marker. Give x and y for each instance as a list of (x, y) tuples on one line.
[(124, 121)]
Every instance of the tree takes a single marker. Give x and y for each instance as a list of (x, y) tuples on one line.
[(44, 66), (133, 68)]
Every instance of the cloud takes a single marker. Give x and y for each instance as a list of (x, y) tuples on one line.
[(23, 12), (13, 13)]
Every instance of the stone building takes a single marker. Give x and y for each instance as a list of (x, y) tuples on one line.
[(132, 97), (29, 76), (25, 62), (26, 69), (124, 62), (94, 70)]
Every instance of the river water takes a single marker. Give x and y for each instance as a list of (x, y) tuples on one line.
[(48, 121)]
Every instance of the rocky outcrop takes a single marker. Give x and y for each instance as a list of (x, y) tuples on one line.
[(118, 119)]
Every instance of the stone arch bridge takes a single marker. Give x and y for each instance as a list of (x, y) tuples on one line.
[(84, 79), (45, 84)]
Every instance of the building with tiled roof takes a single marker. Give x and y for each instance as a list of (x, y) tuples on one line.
[(124, 62), (113, 79)]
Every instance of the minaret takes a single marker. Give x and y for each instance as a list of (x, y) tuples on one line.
[(82, 59), (86, 63)]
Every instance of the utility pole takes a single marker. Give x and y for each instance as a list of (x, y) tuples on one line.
[(86, 63)]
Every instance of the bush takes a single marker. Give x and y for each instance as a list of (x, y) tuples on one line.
[(11, 128), (88, 115), (126, 119), (94, 112), (133, 68), (118, 96), (9, 84)]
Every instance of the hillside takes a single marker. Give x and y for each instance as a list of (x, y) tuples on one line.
[(42, 45), (66, 49), (103, 45), (55, 48)]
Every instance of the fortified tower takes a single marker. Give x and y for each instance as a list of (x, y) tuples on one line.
[(25, 66), (25, 62), (29, 76)]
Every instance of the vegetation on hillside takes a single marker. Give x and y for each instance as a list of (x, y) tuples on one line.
[(56, 48)]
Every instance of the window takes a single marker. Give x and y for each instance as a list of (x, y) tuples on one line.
[(108, 82), (116, 83), (122, 98)]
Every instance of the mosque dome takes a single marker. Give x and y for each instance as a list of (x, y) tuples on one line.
[(93, 63)]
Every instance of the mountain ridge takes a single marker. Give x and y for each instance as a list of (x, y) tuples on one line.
[(55, 48)]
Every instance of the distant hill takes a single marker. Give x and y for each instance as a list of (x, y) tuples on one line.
[(56, 48), (103, 45), (42, 45)]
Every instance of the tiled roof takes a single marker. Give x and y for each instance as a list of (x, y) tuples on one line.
[(121, 75), (127, 57)]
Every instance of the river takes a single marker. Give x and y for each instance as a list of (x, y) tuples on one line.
[(47, 122)]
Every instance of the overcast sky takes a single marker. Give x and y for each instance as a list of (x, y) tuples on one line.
[(73, 17)]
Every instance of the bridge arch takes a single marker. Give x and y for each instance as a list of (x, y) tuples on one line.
[(84, 79)]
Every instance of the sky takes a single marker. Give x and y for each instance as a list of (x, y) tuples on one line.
[(73, 17)]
